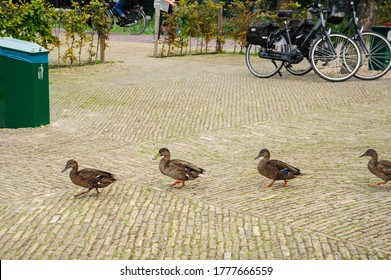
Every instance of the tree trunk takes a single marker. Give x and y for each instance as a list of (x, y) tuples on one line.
[(367, 11), (102, 41)]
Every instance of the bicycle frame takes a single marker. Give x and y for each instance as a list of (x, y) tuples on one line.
[(288, 56), (357, 28), (321, 25)]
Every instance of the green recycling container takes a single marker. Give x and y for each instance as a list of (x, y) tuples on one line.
[(385, 31), (24, 84)]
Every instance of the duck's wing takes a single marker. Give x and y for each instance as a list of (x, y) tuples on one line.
[(385, 166), (284, 167), (96, 177), (185, 167)]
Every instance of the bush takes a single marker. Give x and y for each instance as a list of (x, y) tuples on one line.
[(192, 20), (29, 21), (384, 14), (203, 23), (239, 15), (35, 21)]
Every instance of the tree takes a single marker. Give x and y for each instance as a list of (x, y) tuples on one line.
[(367, 12)]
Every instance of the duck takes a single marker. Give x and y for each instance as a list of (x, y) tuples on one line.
[(88, 178), (177, 169), (380, 168), (275, 169)]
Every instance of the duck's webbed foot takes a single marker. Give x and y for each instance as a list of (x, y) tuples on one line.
[(178, 182), (378, 184), (82, 192), (268, 185), (97, 192)]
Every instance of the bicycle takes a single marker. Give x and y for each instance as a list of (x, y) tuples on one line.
[(375, 49), (298, 28), (334, 57), (136, 23)]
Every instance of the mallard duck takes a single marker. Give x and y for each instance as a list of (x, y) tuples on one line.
[(88, 178), (275, 169), (177, 169), (380, 168)]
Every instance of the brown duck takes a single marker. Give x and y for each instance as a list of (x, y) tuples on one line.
[(380, 168), (275, 169), (177, 169), (88, 178)]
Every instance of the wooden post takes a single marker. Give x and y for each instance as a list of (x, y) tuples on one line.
[(157, 20)]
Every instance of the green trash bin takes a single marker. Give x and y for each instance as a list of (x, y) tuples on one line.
[(385, 31), (24, 84)]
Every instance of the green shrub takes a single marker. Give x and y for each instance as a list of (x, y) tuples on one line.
[(239, 15), (36, 21), (191, 20), (29, 21), (384, 13)]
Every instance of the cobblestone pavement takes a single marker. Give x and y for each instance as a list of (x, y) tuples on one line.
[(209, 110)]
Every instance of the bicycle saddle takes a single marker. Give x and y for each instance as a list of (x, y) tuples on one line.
[(316, 11), (284, 13)]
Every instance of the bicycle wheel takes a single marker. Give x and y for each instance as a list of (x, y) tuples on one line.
[(376, 60), (138, 22), (263, 67), (335, 62), (300, 68), (108, 21), (304, 66)]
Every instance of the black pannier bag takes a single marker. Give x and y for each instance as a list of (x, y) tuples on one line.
[(299, 29), (338, 10), (261, 33)]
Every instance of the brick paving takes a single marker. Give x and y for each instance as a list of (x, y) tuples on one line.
[(209, 110)]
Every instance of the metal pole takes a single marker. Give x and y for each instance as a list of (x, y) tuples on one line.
[(157, 20)]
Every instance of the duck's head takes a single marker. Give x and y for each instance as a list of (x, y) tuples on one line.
[(263, 153), (370, 153), (70, 164), (162, 152)]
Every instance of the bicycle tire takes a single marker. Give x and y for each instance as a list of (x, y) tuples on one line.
[(109, 20), (338, 62), (377, 62), (263, 67), (139, 22), (299, 69), (304, 66)]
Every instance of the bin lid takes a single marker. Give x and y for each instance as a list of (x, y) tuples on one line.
[(22, 50), (20, 45)]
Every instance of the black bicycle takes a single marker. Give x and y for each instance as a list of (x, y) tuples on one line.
[(136, 18), (375, 49), (334, 57)]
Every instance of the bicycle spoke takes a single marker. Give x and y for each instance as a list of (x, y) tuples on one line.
[(337, 61), (376, 56), (138, 22), (263, 67)]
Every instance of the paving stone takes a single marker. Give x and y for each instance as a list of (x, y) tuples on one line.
[(211, 111)]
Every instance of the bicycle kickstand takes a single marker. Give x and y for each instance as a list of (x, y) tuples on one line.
[(279, 72)]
